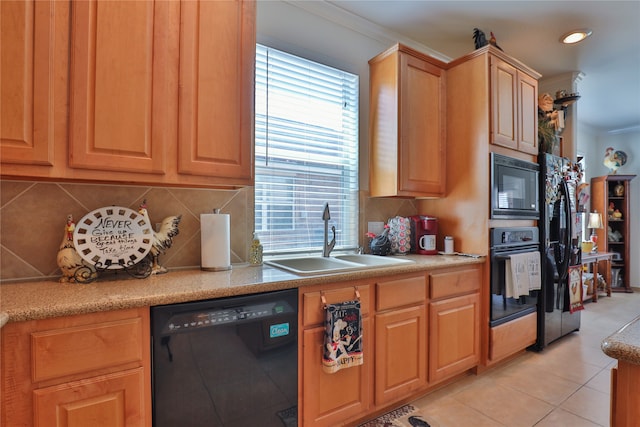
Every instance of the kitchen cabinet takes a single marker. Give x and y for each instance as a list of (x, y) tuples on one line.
[(512, 337), (400, 338), (454, 322), (608, 194), (217, 73), (329, 399), (160, 93), (32, 56), (625, 389), (91, 369), (514, 106), (119, 110), (407, 124)]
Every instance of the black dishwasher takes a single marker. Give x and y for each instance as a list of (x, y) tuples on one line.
[(229, 362)]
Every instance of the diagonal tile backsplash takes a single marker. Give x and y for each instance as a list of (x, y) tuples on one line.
[(33, 215)]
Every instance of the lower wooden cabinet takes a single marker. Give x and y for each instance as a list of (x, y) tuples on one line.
[(329, 399), (454, 336), (454, 321), (625, 394), (84, 370), (401, 353), (109, 400)]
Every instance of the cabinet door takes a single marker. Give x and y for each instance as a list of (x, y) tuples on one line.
[(422, 130), (527, 114), (217, 67), (120, 97), (114, 400), (504, 111), (401, 353), (28, 58), (329, 399), (454, 336)]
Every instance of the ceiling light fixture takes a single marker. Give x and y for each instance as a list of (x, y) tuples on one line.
[(575, 36)]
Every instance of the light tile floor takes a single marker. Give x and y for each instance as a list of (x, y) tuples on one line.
[(567, 384)]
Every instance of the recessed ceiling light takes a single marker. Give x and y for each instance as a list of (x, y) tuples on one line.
[(575, 36)]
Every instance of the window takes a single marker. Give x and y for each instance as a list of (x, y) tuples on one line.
[(306, 153)]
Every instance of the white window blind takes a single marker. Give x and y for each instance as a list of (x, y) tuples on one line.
[(306, 153)]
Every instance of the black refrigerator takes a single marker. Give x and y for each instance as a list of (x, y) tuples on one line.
[(560, 242)]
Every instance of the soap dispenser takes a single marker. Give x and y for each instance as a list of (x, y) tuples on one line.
[(255, 252)]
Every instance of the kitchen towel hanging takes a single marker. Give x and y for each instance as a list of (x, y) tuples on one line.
[(215, 251), (343, 336), (522, 274)]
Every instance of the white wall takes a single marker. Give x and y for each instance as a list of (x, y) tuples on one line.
[(592, 145)]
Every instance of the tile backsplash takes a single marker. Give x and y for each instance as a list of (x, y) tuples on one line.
[(33, 217)]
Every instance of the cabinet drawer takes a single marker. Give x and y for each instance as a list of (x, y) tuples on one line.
[(67, 351), (313, 308), (511, 337), (452, 283), (396, 293)]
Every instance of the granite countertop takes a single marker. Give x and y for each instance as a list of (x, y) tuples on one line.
[(624, 344), (46, 299)]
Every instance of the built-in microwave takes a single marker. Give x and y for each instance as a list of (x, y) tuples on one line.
[(514, 188)]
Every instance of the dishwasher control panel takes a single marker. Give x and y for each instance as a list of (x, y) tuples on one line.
[(224, 316)]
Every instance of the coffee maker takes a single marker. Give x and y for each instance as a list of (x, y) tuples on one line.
[(424, 230)]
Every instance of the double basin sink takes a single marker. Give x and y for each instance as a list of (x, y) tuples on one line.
[(310, 266)]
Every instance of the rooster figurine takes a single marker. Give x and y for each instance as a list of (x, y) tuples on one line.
[(162, 239), (614, 159), (73, 267), (479, 38)]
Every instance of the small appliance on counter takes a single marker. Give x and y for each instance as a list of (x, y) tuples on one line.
[(424, 230)]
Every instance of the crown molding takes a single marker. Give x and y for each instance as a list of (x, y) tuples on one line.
[(339, 16)]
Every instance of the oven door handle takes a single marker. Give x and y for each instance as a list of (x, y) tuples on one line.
[(503, 256)]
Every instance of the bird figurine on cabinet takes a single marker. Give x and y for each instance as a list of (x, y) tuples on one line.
[(479, 38), (493, 42), (614, 159), (162, 238), (73, 267)]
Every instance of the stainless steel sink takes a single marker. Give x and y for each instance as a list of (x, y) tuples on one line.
[(309, 266), (374, 260)]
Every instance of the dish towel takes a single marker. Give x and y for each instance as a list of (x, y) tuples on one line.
[(522, 274), (342, 337)]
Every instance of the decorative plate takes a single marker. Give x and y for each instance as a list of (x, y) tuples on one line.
[(113, 237)]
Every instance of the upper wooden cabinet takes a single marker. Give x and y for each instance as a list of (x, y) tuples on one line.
[(120, 92), (159, 92), (30, 60), (406, 124), (514, 104), (217, 57)]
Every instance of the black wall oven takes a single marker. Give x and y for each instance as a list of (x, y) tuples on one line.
[(514, 188), (504, 243)]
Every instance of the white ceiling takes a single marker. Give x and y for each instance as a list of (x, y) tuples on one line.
[(529, 31)]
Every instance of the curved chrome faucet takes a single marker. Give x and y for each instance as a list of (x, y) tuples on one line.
[(327, 247)]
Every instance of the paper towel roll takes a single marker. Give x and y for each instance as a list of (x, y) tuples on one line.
[(215, 237)]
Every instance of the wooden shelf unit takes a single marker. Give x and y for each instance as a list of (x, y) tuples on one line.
[(603, 195)]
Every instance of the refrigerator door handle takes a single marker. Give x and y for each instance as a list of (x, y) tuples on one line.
[(564, 190)]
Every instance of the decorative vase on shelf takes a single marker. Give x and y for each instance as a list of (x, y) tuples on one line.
[(618, 190)]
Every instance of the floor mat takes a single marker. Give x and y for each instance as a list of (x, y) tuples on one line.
[(405, 416), (289, 416)]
